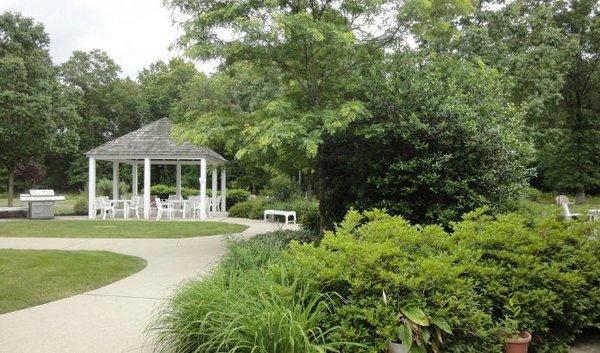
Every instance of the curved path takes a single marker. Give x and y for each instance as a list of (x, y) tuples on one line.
[(112, 318)]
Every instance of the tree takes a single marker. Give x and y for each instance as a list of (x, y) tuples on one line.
[(36, 118), (442, 140), (110, 106), (311, 49), (162, 85), (549, 50)]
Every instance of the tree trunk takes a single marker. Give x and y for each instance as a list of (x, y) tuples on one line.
[(580, 195), (11, 188)]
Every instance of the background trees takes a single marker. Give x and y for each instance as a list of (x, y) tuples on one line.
[(36, 116)]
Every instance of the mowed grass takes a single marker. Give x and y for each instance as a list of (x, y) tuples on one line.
[(115, 229), (33, 277)]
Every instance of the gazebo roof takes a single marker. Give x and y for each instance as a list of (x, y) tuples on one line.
[(153, 141)]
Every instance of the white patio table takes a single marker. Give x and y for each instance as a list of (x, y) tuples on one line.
[(179, 202), (114, 203)]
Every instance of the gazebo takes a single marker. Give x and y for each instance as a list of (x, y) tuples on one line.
[(153, 144)]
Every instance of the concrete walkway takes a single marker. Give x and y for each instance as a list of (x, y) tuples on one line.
[(112, 318)]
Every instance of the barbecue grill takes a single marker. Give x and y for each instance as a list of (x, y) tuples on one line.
[(40, 203)]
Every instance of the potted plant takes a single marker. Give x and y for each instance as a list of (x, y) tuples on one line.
[(417, 331), (515, 339)]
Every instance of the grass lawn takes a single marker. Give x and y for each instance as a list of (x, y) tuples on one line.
[(115, 229), (33, 277)]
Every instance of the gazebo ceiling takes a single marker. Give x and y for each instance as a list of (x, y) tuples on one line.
[(153, 141)]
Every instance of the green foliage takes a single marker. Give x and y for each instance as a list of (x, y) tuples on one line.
[(163, 191), (104, 187), (281, 188), (37, 117), (443, 139), (310, 219), (80, 207), (235, 196), (544, 277), (255, 208), (244, 308), (249, 209)]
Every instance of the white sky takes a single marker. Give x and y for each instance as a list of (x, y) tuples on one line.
[(134, 33)]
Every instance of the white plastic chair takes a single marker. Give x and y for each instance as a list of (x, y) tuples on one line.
[(160, 208), (567, 212), (133, 206), (104, 206), (194, 203)]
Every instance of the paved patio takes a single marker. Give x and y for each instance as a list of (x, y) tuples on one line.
[(112, 318)]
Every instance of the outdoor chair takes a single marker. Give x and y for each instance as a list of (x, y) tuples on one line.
[(560, 199), (161, 207), (217, 206), (567, 212), (133, 206), (103, 205)]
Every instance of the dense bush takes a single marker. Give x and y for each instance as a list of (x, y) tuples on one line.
[(80, 207), (543, 277), (104, 188), (235, 196), (310, 219), (248, 209), (163, 191)]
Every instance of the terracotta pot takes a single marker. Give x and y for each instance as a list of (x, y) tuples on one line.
[(518, 345), (394, 347)]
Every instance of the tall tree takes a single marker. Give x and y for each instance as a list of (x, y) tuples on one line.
[(162, 85), (549, 51), (311, 49), (36, 116)]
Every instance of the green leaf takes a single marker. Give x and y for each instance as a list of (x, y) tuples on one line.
[(405, 333), (415, 315), (442, 324)]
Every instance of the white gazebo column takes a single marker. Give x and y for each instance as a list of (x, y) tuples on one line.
[(115, 193), (203, 188), (134, 179), (223, 189), (146, 188), (214, 188), (91, 188), (178, 178)]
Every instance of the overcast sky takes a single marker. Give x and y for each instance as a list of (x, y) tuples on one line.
[(134, 33)]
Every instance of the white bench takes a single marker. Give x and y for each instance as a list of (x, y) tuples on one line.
[(286, 214)]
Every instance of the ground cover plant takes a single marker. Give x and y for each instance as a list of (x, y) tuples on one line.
[(115, 229), (33, 277), (382, 279)]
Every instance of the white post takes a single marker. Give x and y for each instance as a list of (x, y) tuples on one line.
[(214, 188), (178, 178), (134, 179), (223, 189), (115, 194), (146, 188), (91, 188), (203, 188)]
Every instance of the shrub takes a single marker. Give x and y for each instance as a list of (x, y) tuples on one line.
[(104, 187), (80, 207), (476, 278), (281, 188), (310, 219), (235, 196), (162, 191), (248, 209)]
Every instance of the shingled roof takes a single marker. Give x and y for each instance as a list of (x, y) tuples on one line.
[(153, 141)]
